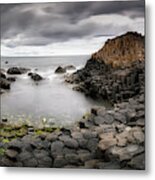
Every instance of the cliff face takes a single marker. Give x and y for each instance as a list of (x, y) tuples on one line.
[(122, 51)]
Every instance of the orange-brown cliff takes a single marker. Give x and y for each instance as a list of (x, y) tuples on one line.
[(122, 50)]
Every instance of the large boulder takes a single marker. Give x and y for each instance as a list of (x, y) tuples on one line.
[(60, 70), (35, 76), (4, 83), (17, 70), (2, 75)]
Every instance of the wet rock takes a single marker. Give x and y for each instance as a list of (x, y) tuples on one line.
[(35, 77), (17, 70), (2, 75), (11, 79), (60, 70), (4, 120), (5, 84), (30, 74)]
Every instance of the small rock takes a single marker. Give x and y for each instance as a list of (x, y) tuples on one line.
[(36, 77), (5, 84), (120, 117), (11, 79), (59, 162), (107, 140), (91, 164), (92, 144), (4, 120), (138, 162), (60, 70), (70, 142), (32, 162), (11, 153), (77, 135), (57, 147), (72, 158), (109, 118), (82, 143), (51, 137), (87, 134), (45, 161), (25, 155)]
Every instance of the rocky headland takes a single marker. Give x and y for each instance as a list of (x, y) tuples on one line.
[(105, 138)]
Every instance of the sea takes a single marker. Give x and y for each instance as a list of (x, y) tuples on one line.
[(51, 101)]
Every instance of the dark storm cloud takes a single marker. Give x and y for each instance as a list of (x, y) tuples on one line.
[(44, 23)]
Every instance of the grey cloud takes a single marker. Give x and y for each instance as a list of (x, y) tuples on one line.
[(44, 23)]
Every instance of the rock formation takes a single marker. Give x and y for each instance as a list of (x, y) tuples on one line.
[(115, 77), (122, 50)]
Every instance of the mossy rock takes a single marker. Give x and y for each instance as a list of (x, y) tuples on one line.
[(39, 132), (2, 151), (5, 140)]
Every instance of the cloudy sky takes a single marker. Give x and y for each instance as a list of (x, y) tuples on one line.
[(47, 29)]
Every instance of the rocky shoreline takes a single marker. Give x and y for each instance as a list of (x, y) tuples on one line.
[(105, 138)]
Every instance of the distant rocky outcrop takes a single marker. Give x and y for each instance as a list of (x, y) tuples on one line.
[(122, 50), (60, 70), (17, 70), (116, 72)]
